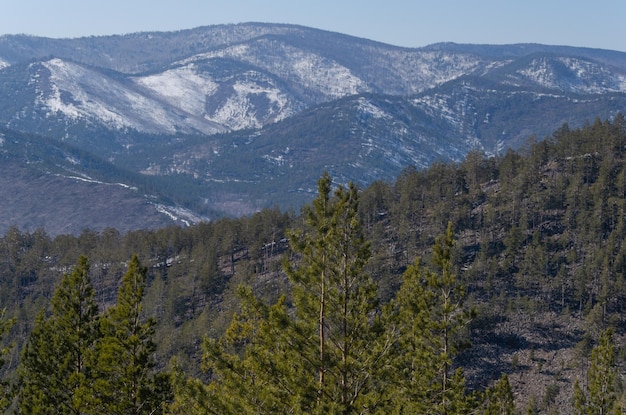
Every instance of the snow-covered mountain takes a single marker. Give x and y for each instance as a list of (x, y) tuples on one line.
[(247, 76), (245, 116)]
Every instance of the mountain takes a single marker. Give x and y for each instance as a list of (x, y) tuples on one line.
[(48, 183), (225, 120)]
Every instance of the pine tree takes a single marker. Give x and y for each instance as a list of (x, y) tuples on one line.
[(499, 399), (253, 366), (416, 363), (191, 396), (126, 382), (331, 289), (599, 395), (54, 365), (431, 317), (6, 395), (326, 353)]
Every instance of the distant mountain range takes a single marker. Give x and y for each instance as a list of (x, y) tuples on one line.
[(149, 129)]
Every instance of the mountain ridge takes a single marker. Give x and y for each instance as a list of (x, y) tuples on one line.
[(248, 115)]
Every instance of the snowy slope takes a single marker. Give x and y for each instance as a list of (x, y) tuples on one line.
[(311, 72), (246, 76), (565, 74), (573, 75), (244, 98), (79, 92)]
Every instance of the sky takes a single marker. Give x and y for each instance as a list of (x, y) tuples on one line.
[(410, 23)]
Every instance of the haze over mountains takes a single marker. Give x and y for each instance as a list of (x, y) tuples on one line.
[(147, 129)]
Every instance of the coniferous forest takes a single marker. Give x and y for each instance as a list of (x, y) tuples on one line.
[(490, 286)]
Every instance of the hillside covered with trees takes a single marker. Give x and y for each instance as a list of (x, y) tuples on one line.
[(495, 285)]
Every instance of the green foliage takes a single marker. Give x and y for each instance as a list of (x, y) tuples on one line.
[(499, 399), (6, 389), (327, 348), (540, 230), (78, 362), (431, 322), (54, 365), (598, 395), (191, 395), (124, 379), (335, 303), (327, 355)]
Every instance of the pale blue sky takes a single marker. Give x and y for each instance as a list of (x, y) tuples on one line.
[(413, 23)]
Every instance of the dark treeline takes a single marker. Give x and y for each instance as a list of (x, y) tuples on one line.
[(539, 231)]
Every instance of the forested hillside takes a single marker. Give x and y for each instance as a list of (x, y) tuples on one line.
[(536, 255)]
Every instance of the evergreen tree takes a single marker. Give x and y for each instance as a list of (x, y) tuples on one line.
[(6, 395), (126, 382), (331, 289), (327, 354), (499, 399), (54, 365), (191, 396), (599, 395), (431, 318)]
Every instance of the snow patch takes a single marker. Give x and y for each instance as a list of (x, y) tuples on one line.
[(178, 214), (186, 87), (239, 111), (319, 73), (374, 111), (80, 93), (72, 160), (583, 76), (182, 87), (88, 179), (310, 70)]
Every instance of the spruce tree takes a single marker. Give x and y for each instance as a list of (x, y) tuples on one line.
[(55, 365), (126, 381)]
